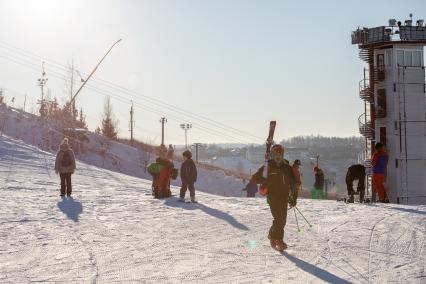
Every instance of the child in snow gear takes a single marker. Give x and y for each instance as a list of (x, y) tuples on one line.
[(162, 171), (282, 192), (297, 174), (65, 166), (379, 162), (318, 190), (356, 172), (251, 189), (188, 175)]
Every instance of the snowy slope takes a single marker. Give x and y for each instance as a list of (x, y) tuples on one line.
[(104, 153), (114, 231)]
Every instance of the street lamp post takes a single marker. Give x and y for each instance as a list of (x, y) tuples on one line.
[(186, 127)]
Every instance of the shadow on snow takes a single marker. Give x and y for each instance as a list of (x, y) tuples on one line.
[(173, 202), (315, 270), (71, 208)]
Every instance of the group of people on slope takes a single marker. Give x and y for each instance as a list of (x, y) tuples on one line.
[(281, 181), (163, 171)]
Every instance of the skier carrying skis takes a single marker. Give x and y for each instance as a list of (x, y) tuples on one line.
[(318, 190), (251, 189), (65, 166), (281, 190), (355, 172), (379, 162), (188, 175)]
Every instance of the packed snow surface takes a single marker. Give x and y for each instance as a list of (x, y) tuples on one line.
[(112, 230)]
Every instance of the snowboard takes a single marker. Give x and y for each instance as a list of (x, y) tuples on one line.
[(263, 190)]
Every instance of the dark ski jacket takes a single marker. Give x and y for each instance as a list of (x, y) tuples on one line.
[(65, 160), (355, 172), (251, 189), (188, 171), (279, 182), (319, 179)]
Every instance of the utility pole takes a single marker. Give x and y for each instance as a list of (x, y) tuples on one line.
[(197, 145), (162, 120), (131, 124), (186, 127), (41, 83), (25, 100)]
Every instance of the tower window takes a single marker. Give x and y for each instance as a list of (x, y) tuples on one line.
[(388, 58), (410, 58), (400, 57), (417, 58)]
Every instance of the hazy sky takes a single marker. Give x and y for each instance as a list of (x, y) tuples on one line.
[(237, 63)]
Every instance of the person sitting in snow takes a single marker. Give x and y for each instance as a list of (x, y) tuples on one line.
[(318, 190), (65, 166), (162, 171), (188, 175), (281, 191), (251, 189)]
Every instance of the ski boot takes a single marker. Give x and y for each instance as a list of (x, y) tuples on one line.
[(351, 199), (280, 245), (193, 200)]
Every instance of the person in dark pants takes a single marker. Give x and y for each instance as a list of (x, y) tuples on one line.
[(188, 175), (65, 166), (355, 172), (282, 191), (318, 190), (251, 189)]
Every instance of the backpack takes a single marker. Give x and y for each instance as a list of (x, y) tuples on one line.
[(66, 159), (154, 168)]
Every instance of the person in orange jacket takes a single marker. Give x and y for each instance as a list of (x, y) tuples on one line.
[(379, 162)]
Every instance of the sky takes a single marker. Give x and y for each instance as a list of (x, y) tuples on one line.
[(227, 67)]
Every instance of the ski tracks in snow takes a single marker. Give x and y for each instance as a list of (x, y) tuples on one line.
[(114, 231)]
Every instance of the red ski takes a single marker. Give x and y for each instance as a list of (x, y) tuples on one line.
[(269, 141)]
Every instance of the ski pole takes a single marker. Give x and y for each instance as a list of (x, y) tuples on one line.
[(297, 222), (310, 226)]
